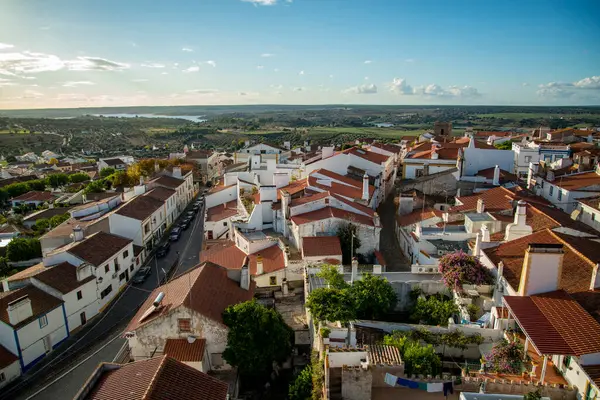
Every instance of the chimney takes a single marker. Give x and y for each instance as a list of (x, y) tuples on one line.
[(519, 227), (287, 145), (496, 176), (405, 204), (477, 247), (285, 287), (259, 265), (177, 172), (500, 270), (354, 275), (83, 271), (480, 206), (19, 310), (485, 234), (286, 199), (245, 277), (542, 269), (434, 154), (595, 281), (78, 234), (365, 188)]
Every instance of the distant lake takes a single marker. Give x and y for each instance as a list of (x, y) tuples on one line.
[(187, 117)]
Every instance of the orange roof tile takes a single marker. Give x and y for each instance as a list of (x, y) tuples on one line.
[(293, 188), (218, 188), (62, 277), (417, 216), (309, 199), (222, 211), (41, 303), (228, 255), (577, 181), (321, 246), (367, 155), (353, 192), (556, 323), (184, 351), (330, 212), (35, 196), (392, 148), (497, 199)]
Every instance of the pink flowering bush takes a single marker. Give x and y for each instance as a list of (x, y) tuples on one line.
[(506, 357), (459, 268)]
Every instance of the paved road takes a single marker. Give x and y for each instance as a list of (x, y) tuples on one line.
[(388, 243), (68, 371)]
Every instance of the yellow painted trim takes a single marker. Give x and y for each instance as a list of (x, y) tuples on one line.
[(113, 299)]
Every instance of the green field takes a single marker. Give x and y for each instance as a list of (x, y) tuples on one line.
[(535, 115)]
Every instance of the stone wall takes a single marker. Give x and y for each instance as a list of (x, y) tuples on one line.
[(356, 383), (502, 386), (433, 184)]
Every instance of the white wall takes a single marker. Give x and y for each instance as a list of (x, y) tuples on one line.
[(11, 372), (477, 159), (7, 338), (217, 228), (109, 278), (31, 335), (127, 227), (351, 358), (567, 202), (338, 164), (221, 197), (368, 235), (410, 168), (574, 374)]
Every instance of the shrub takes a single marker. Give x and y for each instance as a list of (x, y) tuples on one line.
[(459, 268), (506, 357), (435, 310)]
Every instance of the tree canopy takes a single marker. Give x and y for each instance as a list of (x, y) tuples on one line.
[(435, 310), (106, 172), (258, 336), (332, 276), (21, 249), (373, 296), (418, 360), (57, 180), (331, 304), (79, 177), (345, 233)]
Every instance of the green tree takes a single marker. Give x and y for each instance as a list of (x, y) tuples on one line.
[(332, 276), (41, 225), (4, 196), (36, 184), (105, 172), (417, 359), (435, 310), (95, 187), (57, 180), (258, 336), (374, 297), (79, 177), (330, 304), (59, 219), (16, 189), (4, 268), (504, 145), (349, 245), (21, 249), (301, 388)]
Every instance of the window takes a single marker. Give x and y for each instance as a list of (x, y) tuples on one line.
[(559, 195), (126, 254), (147, 228), (79, 295), (184, 325), (106, 269), (527, 159), (137, 261), (131, 268), (122, 276), (593, 216), (106, 291), (2, 377), (551, 190), (43, 321), (566, 362), (272, 280), (225, 223)]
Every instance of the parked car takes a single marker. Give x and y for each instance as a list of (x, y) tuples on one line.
[(175, 234), (163, 249), (190, 214), (141, 275), (196, 207), (185, 223)]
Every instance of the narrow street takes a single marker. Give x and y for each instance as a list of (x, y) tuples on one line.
[(388, 243), (62, 375)]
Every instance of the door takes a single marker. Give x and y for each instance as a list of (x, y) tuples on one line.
[(47, 344), (127, 275), (83, 318), (209, 235)]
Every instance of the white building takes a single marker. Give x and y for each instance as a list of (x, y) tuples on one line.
[(10, 369), (111, 257), (588, 212), (190, 305), (32, 324), (182, 184), (525, 153), (169, 198), (118, 163), (216, 220)]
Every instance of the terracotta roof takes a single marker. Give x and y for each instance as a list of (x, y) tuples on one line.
[(577, 181), (184, 351), (347, 180), (140, 208), (41, 303), (417, 216), (113, 161), (27, 273), (321, 246), (6, 357), (556, 323), (505, 176), (160, 193), (228, 255), (16, 179), (447, 151), (330, 212), (160, 378), (96, 248), (62, 277), (212, 292), (309, 199), (293, 188), (218, 188), (367, 155), (199, 154), (352, 192), (582, 145), (222, 211), (384, 355), (497, 199), (593, 372), (590, 301), (47, 213), (577, 268), (492, 133), (355, 204), (35, 196), (168, 181), (392, 148)]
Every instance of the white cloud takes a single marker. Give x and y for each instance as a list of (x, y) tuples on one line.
[(400, 86), (7, 82), (153, 65), (187, 49), (464, 91), (210, 62), (78, 83), (278, 87), (29, 78), (362, 89), (261, 2), (567, 89), (368, 62), (366, 78), (260, 67), (525, 84), (4, 46), (202, 91), (31, 63), (32, 94), (301, 73), (195, 68), (94, 64), (267, 55)]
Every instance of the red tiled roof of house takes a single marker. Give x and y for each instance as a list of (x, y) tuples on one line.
[(27, 272), (62, 277), (577, 181), (354, 204), (590, 301), (392, 148), (140, 208), (160, 378), (222, 211), (41, 303), (485, 134), (113, 161), (6, 357), (367, 155), (577, 267), (184, 351), (97, 248), (35, 196), (212, 292), (464, 142), (218, 188), (194, 154), (497, 199), (309, 199), (321, 246), (160, 193), (353, 192), (330, 212), (293, 188), (228, 255), (342, 178), (505, 176), (556, 323), (418, 216), (168, 181), (582, 146)]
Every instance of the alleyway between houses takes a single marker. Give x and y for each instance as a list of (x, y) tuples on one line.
[(388, 244)]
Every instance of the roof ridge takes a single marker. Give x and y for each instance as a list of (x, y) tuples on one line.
[(573, 249), (152, 384)]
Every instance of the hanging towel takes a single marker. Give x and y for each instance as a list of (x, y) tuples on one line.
[(435, 387), (448, 388), (413, 384), (403, 382), (390, 379), (422, 386)]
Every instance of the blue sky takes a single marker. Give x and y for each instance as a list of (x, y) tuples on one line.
[(75, 53)]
